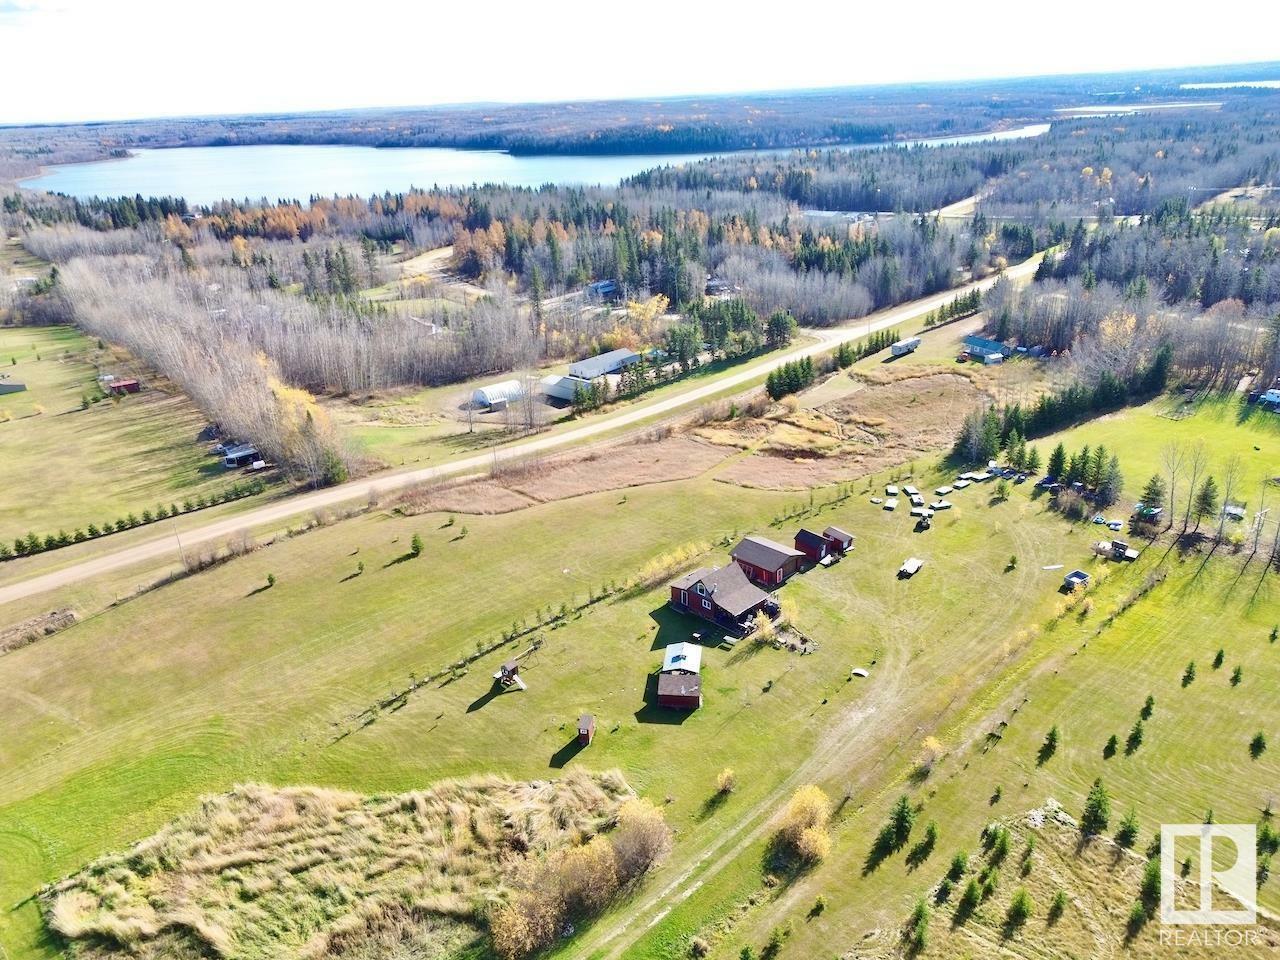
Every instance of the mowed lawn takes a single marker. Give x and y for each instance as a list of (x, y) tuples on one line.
[(65, 467), (1090, 678), (1226, 425), (122, 721)]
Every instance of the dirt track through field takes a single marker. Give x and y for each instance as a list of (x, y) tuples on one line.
[(860, 743), (595, 428)]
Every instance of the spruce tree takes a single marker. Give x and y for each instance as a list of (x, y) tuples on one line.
[(1097, 810)]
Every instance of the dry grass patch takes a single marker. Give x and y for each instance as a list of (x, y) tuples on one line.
[(484, 497), (898, 415), (522, 485), (305, 872), (33, 628), (630, 465)]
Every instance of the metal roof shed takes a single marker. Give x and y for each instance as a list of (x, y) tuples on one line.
[(683, 656), (594, 367), (507, 390)]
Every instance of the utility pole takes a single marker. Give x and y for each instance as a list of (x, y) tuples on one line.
[(178, 537)]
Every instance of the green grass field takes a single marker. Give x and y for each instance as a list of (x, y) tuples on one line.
[(1227, 426), (1089, 675), (120, 722), (66, 467)]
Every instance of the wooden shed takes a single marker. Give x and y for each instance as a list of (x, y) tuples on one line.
[(586, 729)]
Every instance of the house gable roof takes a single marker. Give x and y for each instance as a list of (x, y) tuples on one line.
[(763, 552), (835, 533), (728, 588)]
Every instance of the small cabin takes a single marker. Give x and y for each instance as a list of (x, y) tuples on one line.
[(586, 729), (680, 680), (842, 540), (119, 388), (814, 546)]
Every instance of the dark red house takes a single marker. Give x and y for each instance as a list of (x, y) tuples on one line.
[(724, 596), (765, 561), (120, 387), (586, 729)]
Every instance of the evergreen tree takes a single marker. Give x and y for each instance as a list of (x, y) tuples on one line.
[(1112, 482), (1097, 810), (1206, 500), (1057, 462), (1153, 493)]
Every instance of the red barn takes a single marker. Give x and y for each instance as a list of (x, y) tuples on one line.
[(724, 596), (766, 561), (121, 387)]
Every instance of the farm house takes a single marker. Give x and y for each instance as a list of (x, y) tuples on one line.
[(724, 596)]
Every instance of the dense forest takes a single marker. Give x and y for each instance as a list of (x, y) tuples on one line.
[(257, 308), (672, 125)]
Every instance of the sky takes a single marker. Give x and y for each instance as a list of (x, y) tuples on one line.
[(69, 60)]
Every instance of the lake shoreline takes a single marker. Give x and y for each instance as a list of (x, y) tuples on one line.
[(207, 175)]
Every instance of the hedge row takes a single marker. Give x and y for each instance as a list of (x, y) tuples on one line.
[(32, 544)]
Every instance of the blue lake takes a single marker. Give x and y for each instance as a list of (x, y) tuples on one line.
[(205, 175)]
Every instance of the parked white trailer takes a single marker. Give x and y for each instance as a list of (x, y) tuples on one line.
[(903, 347)]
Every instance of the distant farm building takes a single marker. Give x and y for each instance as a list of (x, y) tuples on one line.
[(11, 386), (982, 347), (595, 367), (765, 561), (605, 290), (241, 455), (497, 395), (724, 596), (680, 679), (119, 388), (563, 388)]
